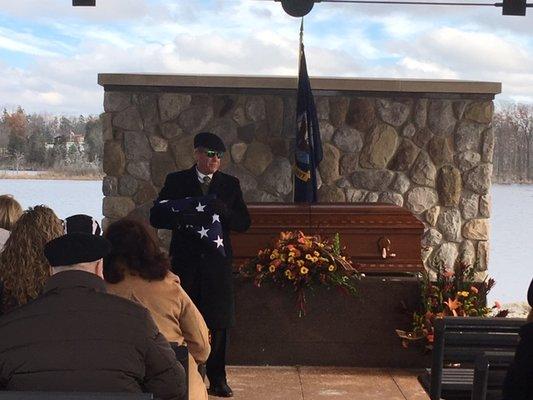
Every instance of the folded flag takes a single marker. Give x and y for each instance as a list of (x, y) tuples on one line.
[(197, 216)]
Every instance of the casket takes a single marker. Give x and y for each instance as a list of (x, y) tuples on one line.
[(382, 240), (379, 238)]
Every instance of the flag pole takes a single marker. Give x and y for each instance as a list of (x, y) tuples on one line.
[(309, 136), (300, 48)]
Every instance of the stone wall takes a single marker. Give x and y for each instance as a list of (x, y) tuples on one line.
[(428, 148)]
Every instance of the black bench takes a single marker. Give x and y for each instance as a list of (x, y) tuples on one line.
[(490, 370), (458, 341)]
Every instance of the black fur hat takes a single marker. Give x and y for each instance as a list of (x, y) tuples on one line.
[(82, 223)]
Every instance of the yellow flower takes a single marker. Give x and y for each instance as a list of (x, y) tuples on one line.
[(259, 267), (316, 253), (464, 294), (291, 259), (308, 257), (272, 268), (331, 268), (291, 254), (272, 256), (304, 270), (300, 262), (287, 272)]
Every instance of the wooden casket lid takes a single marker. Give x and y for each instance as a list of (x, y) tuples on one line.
[(365, 229)]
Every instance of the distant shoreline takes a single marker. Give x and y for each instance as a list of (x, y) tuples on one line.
[(50, 175)]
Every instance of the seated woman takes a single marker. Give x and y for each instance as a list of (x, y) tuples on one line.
[(10, 212), (138, 270), (23, 266), (519, 380)]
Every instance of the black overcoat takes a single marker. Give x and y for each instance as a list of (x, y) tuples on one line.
[(205, 274), (75, 337)]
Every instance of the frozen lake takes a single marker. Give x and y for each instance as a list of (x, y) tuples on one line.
[(511, 252)]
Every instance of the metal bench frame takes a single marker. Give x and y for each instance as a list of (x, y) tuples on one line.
[(459, 340)]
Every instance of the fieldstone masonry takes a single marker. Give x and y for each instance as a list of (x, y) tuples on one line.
[(426, 147)]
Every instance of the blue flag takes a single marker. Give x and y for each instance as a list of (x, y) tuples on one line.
[(197, 217), (308, 143)]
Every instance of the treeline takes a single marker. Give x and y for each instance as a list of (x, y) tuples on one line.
[(61, 143), (43, 142), (513, 147)]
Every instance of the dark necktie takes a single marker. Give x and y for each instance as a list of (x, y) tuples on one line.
[(205, 184)]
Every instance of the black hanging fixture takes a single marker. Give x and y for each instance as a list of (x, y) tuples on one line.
[(298, 8), (83, 3), (514, 7)]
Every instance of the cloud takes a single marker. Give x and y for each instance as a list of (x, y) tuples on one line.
[(68, 49)]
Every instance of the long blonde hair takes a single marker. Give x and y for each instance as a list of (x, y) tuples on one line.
[(10, 211), (23, 266)]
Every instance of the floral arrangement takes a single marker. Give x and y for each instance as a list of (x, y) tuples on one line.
[(453, 293), (301, 262)]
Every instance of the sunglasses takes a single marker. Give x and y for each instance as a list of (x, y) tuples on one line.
[(212, 153)]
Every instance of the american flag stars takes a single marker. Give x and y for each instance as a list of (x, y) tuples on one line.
[(203, 232), (201, 219), (219, 241)]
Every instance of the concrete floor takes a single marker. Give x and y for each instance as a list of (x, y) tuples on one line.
[(319, 383)]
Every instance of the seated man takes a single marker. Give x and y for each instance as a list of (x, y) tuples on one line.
[(76, 337)]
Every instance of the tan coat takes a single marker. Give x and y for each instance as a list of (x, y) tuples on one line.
[(176, 316)]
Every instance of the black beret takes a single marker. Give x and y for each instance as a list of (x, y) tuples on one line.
[(82, 223), (530, 294), (209, 141), (76, 248)]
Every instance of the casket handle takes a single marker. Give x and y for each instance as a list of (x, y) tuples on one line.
[(384, 245)]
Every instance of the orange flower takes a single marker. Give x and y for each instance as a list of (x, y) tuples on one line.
[(448, 274), (453, 305)]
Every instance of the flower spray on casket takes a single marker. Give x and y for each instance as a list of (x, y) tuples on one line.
[(301, 262)]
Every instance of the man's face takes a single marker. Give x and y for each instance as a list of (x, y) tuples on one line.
[(207, 161)]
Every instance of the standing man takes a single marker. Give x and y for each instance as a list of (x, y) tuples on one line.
[(206, 273)]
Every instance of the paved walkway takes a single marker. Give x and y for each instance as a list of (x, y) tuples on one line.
[(320, 383)]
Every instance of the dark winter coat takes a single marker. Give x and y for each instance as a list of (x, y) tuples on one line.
[(76, 337), (205, 274), (519, 381)]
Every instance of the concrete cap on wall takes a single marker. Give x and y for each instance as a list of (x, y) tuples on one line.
[(283, 82)]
